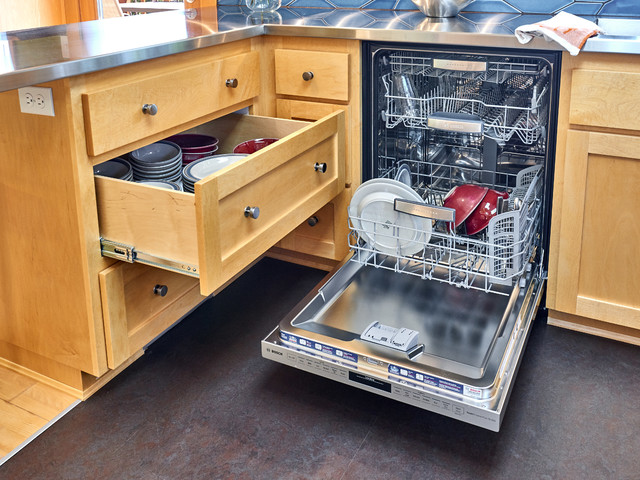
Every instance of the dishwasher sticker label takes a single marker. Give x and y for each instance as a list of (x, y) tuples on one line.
[(320, 347), (427, 379)]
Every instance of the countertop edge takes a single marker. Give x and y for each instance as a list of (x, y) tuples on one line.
[(50, 72)]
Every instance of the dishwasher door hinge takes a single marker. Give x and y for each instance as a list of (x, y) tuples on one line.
[(129, 254)]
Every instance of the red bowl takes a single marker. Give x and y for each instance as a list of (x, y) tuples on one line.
[(194, 142), (251, 146), (192, 157), (464, 199), (485, 211)]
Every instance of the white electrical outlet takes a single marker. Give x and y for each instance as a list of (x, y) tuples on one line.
[(36, 100)]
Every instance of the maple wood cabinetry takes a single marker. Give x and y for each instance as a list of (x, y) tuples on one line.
[(314, 78), (78, 317), (594, 261)]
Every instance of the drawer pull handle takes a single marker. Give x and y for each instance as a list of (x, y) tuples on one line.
[(161, 290), (313, 221), (252, 212), (306, 76), (231, 82), (149, 109), (320, 167)]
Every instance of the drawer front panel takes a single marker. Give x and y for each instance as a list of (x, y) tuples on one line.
[(114, 117), (604, 99), (329, 70), (134, 309), (281, 180)]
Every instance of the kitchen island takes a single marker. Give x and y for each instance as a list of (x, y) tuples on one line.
[(75, 314)]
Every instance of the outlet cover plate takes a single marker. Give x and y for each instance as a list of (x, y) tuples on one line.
[(36, 100)]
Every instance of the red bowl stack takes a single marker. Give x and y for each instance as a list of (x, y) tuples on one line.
[(195, 146)]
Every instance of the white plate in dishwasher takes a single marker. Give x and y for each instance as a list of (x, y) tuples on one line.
[(380, 225)]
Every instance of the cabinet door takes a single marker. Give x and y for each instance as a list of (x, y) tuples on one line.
[(600, 227)]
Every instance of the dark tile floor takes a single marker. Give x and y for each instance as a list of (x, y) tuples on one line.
[(202, 403)]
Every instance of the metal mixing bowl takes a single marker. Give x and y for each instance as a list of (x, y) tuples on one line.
[(441, 8)]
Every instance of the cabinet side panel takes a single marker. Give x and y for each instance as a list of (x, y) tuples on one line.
[(45, 301)]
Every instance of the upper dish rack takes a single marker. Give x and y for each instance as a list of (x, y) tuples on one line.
[(496, 257), (510, 99), (474, 68)]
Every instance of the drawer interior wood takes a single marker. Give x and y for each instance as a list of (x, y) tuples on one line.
[(208, 231)]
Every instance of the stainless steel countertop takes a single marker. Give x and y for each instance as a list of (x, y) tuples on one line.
[(29, 57)]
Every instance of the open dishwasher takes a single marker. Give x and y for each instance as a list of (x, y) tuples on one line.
[(433, 309)]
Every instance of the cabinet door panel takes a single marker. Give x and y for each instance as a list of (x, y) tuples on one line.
[(598, 256)]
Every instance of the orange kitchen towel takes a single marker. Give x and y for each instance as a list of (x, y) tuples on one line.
[(568, 30)]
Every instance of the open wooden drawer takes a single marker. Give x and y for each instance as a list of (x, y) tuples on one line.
[(208, 234)]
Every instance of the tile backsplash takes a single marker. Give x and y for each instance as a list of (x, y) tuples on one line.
[(618, 8)]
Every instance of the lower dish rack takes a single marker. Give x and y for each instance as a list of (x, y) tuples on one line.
[(431, 248)]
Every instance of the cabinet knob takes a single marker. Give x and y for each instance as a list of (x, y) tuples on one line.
[(306, 76), (231, 82), (313, 221), (161, 290), (149, 109), (320, 167), (252, 212)]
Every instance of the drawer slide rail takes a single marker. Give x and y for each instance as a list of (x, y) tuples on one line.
[(128, 253)]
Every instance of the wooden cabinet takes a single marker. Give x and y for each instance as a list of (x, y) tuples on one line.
[(314, 78), (593, 282), (139, 303), (79, 318)]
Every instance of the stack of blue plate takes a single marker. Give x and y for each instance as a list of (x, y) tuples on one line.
[(204, 167), (158, 161), (114, 168)]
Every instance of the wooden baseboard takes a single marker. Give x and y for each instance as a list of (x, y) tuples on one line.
[(63, 387), (593, 327), (312, 261)]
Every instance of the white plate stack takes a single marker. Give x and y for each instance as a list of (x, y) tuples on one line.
[(204, 167), (158, 161)]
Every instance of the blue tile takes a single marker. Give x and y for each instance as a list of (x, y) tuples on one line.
[(524, 20), (347, 3), (311, 4), (382, 4), (540, 6), (481, 18), (583, 9), (622, 8), (354, 19), (406, 5), (492, 6)]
